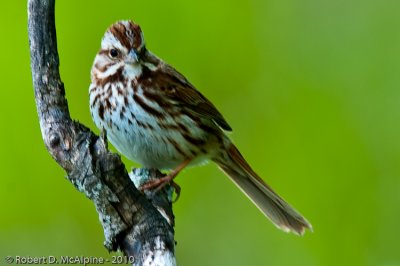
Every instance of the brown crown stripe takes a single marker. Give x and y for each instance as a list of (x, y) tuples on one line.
[(119, 32), (137, 35), (130, 37), (146, 107)]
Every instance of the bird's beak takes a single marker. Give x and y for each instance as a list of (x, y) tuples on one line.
[(132, 57)]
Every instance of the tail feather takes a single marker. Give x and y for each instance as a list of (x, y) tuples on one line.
[(271, 204)]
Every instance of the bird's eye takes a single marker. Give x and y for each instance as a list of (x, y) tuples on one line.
[(113, 53)]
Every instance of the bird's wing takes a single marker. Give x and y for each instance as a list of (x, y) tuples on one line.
[(183, 93)]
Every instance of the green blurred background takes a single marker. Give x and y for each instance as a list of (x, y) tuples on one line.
[(310, 87)]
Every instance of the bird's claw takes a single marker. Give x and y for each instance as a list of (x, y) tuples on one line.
[(158, 184)]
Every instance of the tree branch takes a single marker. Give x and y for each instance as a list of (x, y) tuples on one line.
[(140, 225)]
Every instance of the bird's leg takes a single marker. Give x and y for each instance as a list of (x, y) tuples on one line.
[(159, 183)]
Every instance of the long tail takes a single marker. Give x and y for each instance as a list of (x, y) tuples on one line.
[(274, 207)]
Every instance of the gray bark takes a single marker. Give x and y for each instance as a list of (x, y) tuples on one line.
[(140, 225)]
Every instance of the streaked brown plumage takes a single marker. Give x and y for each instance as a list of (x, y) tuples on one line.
[(153, 115)]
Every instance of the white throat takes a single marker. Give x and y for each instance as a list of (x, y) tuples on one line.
[(132, 71)]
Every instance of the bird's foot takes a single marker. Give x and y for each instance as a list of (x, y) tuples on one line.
[(158, 184)]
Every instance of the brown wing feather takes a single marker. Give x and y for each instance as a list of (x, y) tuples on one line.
[(192, 99), (183, 93), (197, 104)]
